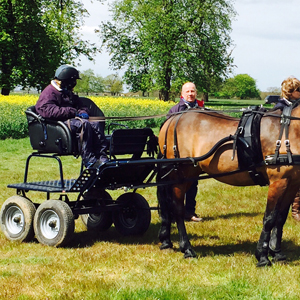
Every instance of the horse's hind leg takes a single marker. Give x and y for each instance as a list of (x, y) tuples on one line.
[(178, 204), (184, 243), (164, 194), (171, 201)]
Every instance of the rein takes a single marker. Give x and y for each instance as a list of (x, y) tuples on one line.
[(102, 119), (205, 110)]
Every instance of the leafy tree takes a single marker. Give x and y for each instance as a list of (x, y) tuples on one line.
[(89, 83), (241, 86), (113, 84), (162, 41), (35, 37), (98, 84)]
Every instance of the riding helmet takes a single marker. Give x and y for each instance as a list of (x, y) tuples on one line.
[(66, 72)]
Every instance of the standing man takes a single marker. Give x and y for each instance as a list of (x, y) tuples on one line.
[(188, 100), (58, 102)]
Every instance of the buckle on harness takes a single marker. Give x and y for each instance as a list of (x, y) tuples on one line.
[(287, 143), (278, 143)]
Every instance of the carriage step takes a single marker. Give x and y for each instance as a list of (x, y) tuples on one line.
[(84, 181), (52, 186)]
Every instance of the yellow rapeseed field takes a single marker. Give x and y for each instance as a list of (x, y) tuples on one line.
[(106, 103), (14, 124)]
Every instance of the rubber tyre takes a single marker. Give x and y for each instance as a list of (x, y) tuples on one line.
[(16, 217), (54, 223), (134, 216), (101, 221)]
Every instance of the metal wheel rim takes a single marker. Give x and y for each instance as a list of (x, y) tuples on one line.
[(14, 220), (49, 224)]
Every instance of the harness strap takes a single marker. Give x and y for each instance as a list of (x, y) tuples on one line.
[(238, 132), (285, 123), (175, 146)]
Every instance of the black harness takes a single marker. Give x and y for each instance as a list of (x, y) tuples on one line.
[(247, 144)]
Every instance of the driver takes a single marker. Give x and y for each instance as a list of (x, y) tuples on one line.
[(58, 102)]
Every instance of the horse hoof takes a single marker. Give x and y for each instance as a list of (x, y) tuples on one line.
[(166, 245), (279, 257), (264, 262), (190, 253)]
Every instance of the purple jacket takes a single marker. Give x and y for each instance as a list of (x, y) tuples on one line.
[(181, 105), (58, 105)]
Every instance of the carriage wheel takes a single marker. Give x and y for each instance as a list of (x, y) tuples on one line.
[(54, 223), (16, 216), (134, 215), (101, 221)]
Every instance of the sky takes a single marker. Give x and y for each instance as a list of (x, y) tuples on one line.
[(265, 34)]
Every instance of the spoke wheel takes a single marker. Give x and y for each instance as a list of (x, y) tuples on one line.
[(16, 217), (54, 223), (134, 216), (101, 221)]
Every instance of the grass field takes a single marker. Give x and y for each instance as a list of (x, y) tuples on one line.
[(110, 266)]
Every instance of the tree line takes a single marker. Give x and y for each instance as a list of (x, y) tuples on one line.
[(92, 83), (160, 43)]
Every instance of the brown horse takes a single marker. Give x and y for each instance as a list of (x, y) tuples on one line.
[(194, 133)]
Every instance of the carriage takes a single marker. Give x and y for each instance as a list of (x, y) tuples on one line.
[(52, 221)]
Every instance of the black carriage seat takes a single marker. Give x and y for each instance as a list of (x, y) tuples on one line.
[(49, 136), (129, 141)]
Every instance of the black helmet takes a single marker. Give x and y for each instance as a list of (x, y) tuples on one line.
[(66, 72)]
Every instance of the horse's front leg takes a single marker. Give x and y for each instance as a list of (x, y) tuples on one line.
[(262, 248), (276, 191), (276, 236), (178, 203)]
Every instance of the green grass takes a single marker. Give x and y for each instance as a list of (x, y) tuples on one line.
[(110, 266)]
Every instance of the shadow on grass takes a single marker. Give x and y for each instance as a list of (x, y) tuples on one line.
[(233, 215), (89, 238)]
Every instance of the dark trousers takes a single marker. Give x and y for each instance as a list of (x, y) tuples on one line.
[(92, 144), (190, 199)]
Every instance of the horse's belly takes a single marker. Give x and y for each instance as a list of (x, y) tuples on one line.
[(224, 162)]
